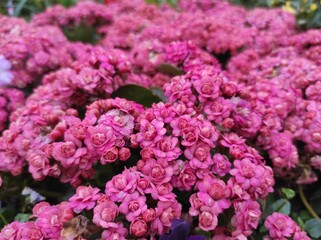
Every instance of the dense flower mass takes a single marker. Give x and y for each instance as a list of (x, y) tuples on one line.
[(241, 106)]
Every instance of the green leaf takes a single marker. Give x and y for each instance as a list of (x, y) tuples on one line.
[(305, 215), (288, 192), (282, 206), (170, 70), (313, 227), (19, 7), (82, 33), (136, 93), (22, 217), (159, 93)]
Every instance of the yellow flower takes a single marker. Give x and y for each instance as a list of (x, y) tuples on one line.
[(313, 7), (288, 7)]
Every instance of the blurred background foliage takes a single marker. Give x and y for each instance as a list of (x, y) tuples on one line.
[(308, 12)]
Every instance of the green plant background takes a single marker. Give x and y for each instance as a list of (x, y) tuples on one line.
[(308, 12)]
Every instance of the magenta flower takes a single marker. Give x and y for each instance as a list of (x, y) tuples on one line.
[(133, 205), (121, 185), (279, 226), (167, 149), (120, 122), (150, 132), (85, 198), (247, 216), (100, 137), (119, 232), (199, 155), (105, 214)]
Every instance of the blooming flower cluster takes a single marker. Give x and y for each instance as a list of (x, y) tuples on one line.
[(245, 82)]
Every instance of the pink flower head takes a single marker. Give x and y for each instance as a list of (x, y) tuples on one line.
[(221, 164), (199, 155), (120, 122), (117, 233), (11, 231), (38, 164), (100, 138), (133, 205), (207, 219), (214, 193), (105, 214), (121, 185), (85, 198), (208, 87), (158, 171), (167, 149), (138, 227), (150, 132), (279, 226), (218, 110), (247, 215), (177, 52), (164, 111), (166, 212), (50, 222)]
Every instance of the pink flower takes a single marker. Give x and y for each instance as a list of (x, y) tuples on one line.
[(11, 231), (100, 138), (166, 212), (117, 233), (62, 151), (109, 156), (167, 149), (207, 219), (247, 216), (149, 215), (105, 214), (50, 222), (218, 110), (150, 132), (186, 179), (199, 155), (214, 193), (120, 122), (163, 192), (124, 154), (121, 185), (133, 205), (85, 198), (158, 171), (221, 164), (38, 164), (208, 87), (177, 52), (138, 227), (279, 226)]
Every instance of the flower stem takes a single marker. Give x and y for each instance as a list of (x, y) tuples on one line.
[(306, 204), (3, 219)]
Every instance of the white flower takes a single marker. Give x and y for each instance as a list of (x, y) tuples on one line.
[(33, 196), (5, 74)]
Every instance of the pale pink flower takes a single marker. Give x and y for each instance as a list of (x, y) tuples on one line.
[(85, 198), (133, 205), (105, 214)]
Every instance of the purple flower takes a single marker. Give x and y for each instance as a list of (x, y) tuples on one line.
[(5, 75), (179, 231)]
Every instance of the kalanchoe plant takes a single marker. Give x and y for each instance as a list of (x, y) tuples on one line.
[(241, 109)]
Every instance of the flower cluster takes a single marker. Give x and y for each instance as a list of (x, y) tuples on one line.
[(195, 157), (281, 226)]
